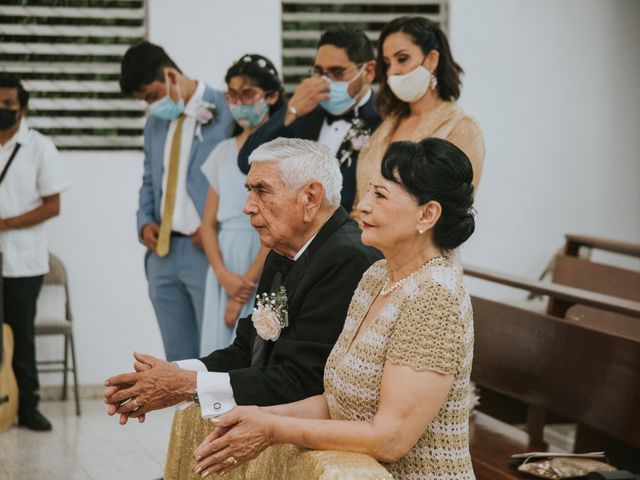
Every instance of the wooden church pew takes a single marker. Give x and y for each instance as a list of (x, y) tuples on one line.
[(586, 371)]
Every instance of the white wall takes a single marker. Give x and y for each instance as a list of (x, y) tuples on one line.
[(95, 235), (554, 86), (207, 39), (96, 238)]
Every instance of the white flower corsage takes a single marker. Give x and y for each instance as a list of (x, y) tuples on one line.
[(271, 316), (205, 112), (356, 139)]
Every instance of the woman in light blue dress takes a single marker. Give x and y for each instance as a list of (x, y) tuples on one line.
[(230, 242)]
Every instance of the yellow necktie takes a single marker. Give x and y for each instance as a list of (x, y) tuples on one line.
[(164, 237)]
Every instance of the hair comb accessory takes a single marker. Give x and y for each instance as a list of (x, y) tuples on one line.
[(261, 62)]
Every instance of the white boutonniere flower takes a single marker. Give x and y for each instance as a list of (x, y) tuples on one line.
[(357, 138), (205, 112), (271, 316)]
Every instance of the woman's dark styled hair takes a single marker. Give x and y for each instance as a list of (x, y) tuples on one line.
[(353, 40), (262, 73), (142, 64), (9, 80), (428, 36), (435, 169)]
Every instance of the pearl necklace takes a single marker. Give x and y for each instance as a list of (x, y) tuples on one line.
[(386, 290)]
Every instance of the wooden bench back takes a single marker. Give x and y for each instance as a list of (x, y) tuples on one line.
[(573, 271), (597, 277), (594, 277), (587, 374)]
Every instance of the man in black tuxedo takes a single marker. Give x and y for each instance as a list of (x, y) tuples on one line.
[(317, 256), (334, 106)]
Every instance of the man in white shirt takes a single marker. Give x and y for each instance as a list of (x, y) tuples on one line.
[(187, 120), (31, 179)]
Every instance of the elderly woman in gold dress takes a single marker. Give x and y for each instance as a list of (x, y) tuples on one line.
[(397, 380), (419, 85)]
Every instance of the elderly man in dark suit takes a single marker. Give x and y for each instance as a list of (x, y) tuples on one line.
[(335, 105), (316, 262)]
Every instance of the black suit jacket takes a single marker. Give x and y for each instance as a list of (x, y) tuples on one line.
[(319, 289), (308, 127)]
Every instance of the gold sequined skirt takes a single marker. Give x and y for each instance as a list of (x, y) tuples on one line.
[(279, 462)]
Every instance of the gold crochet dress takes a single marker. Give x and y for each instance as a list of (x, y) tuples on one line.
[(427, 325)]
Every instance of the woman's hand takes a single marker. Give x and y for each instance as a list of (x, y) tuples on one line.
[(232, 312), (196, 237), (237, 287), (253, 284), (241, 435)]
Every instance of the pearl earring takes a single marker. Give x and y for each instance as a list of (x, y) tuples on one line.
[(433, 82), (420, 231)]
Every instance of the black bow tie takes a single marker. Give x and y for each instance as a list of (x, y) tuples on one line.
[(348, 116), (281, 264)]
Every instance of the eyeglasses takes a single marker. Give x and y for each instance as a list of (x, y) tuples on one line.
[(334, 73), (245, 96)]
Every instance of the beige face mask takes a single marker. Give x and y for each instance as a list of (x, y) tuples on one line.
[(412, 86)]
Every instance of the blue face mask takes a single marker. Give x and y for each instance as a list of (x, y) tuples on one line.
[(339, 99), (166, 108), (249, 116)]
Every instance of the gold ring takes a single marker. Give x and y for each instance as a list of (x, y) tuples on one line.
[(135, 402), (231, 460)]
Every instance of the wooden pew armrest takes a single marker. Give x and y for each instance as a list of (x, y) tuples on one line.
[(574, 242), (559, 292)]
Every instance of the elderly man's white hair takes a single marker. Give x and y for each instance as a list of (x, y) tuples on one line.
[(301, 162)]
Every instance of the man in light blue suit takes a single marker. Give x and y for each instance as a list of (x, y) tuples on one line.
[(187, 120)]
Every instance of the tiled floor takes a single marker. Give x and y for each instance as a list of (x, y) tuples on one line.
[(95, 447), (90, 447)]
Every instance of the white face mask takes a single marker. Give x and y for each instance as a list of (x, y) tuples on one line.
[(412, 86)]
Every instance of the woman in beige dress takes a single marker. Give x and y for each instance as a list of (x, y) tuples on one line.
[(419, 85), (397, 381)]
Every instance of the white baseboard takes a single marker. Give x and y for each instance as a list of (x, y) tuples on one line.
[(87, 392)]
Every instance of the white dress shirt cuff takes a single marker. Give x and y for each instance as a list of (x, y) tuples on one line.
[(215, 393), (190, 364)]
